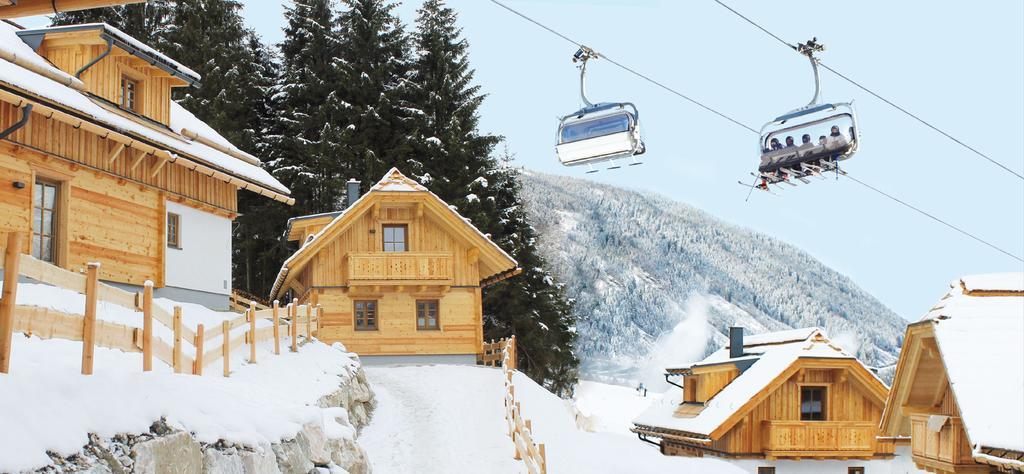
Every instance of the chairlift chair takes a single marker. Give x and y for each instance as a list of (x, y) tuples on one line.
[(600, 132), (817, 120)]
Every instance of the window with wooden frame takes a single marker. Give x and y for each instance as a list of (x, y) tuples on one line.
[(396, 237), (130, 93), (45, 218), (812, 403), (365, 312), (427, 315), (173, 230), (855, 470)]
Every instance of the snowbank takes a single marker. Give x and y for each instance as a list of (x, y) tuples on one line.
[(47, 405)]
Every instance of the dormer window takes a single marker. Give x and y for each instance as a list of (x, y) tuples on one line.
[(129, 93)]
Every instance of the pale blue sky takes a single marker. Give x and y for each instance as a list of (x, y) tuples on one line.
[(958, 64)]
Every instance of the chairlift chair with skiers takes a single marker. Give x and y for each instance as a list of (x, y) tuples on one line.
[(809, 141), (601, 132)]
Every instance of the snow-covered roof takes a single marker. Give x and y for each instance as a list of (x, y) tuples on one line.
[(393, 181), (981, 340), (127, 42), (773, 358), (32, 85)]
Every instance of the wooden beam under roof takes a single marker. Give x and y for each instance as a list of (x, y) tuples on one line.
[(23, 8)]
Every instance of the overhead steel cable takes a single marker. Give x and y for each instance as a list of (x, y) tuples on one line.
[(877, 96), (751, 129), (626, 68)]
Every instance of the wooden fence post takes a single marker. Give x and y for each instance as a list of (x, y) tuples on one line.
[(543, 459), (147, 326), (293, 312), (176, 355), (89, 321), (197, 368), (252, 332), (12, 257), (226, 347), (319, 319), (277, 329), (309, 321), (515, 431)]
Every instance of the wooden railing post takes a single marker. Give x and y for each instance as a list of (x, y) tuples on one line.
[(197, 367), (543, 459), (293, 311), (309, 321), (226, 348), (89, 321), (147, 326), (515, 431), (176, 355), (252, 332), (277, 329), (12, 257)]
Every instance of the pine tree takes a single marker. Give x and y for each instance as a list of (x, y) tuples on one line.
[(531, 305), (306, 134), (376, 91), (453, 153)]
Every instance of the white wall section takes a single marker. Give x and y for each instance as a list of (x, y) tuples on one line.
[(203, 262)]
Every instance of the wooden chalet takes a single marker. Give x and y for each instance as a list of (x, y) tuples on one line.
[(958, 392), (398, 273), (98, 164), (779, 396)]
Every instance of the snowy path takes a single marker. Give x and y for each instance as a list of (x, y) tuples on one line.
[(449, 419), (438, 419)]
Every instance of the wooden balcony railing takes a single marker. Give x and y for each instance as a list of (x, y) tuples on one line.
[(948, 445), (805, 438), (400, 267)]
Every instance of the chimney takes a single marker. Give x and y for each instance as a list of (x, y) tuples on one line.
[(735, 342), (352, 191)]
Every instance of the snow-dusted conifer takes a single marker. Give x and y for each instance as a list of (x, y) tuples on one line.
[(375, 90)]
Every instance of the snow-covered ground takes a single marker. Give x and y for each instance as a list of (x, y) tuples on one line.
[(445, 419), (610, 408), (47, 405)]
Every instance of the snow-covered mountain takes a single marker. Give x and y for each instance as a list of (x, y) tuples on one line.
[(650, 273)]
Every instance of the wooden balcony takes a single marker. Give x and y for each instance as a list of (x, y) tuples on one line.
[(819, 439), (400, 268), (945, 450)]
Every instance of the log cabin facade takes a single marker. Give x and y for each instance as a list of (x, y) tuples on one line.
[(958, 392), (98, 164), (790, 395), (399, 274)]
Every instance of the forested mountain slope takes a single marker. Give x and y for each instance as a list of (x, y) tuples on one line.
[(648, 272)]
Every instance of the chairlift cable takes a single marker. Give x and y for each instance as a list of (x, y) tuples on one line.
[(626, 68), (876, 95), (751, 129)]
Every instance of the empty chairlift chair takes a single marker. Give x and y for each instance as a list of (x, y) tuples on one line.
[(822, 135), (598, 132)]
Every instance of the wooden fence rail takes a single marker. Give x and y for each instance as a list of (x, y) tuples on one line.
[(526, 448), (48, 323)]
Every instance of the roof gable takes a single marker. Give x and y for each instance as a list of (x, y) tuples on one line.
[(976, 330), (777, 363), (29, 79), (395, 184)]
